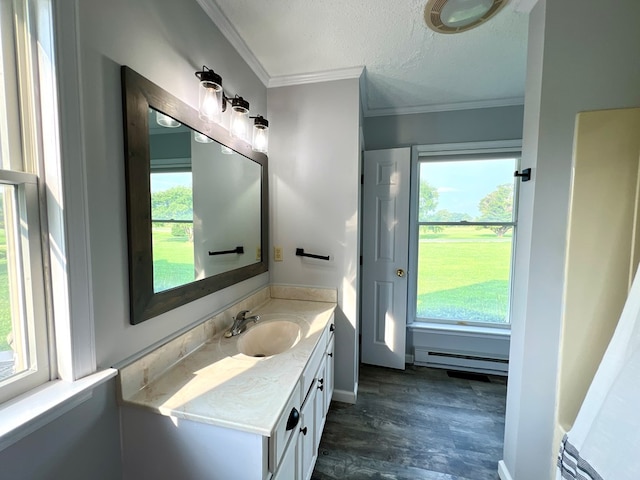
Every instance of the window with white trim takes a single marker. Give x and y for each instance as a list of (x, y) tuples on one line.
[(24, 327), (466, 226)]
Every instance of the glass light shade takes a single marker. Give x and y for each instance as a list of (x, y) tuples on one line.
[(239, 126), (201, 138), (226, 150), (260, 141), (166, 121), (458, 13), (210, 101)]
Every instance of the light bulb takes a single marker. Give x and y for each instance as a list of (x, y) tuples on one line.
[(260, 141), (239, 127), (210, 95)]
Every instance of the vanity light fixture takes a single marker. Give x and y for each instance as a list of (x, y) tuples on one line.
[(455, 16), (212, 103), (166, 121), (260, 141), (210, 95), (226, 150)]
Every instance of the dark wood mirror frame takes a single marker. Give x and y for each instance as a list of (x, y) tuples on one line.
[(139, 94)]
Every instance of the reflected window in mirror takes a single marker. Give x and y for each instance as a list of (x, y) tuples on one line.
[(171, 202)]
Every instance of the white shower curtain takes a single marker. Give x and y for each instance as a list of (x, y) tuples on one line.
[(604, 442)]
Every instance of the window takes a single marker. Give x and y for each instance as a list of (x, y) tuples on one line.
[(172, 229), (24, 352), (465, 238)]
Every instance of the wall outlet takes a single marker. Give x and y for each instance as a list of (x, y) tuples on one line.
[(277, 254)]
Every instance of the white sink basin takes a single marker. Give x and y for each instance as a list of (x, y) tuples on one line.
[(269, 338)]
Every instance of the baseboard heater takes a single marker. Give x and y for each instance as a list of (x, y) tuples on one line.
[(460, 361)]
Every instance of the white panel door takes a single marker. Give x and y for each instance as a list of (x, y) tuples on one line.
[(385, 248)]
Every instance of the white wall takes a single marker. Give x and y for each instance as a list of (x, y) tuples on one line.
[(166, 42), (225, 216), (581, 57), (315, 178)]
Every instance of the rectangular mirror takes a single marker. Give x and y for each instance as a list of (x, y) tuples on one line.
[(196, 202)]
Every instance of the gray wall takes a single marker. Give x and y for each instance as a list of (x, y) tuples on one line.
[(579, 59), (315, 166), (166, 42), (478, 125), (81, 444)]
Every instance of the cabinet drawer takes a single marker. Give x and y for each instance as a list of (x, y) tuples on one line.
[(309, 374), (285, 428)]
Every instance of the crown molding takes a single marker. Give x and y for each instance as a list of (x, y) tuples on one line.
[(227, 29), (446, 107), (316, 77)]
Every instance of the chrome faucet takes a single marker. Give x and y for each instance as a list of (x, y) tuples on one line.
[(240, 323)]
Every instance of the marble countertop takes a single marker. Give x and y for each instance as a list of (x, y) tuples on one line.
[(219, 386)]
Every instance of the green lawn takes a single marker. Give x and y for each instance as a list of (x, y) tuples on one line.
[(463, 275), (173, 262)]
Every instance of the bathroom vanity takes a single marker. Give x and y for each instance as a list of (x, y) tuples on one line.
[(218, 413)]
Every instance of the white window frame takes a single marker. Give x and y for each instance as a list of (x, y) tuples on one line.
[(442, 151), (59, 148), (28, 307), (20, 154)]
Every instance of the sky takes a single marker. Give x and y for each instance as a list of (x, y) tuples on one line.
[(462, 184), (165, 181)]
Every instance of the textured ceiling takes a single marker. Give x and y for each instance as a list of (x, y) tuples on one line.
[(409, 68)]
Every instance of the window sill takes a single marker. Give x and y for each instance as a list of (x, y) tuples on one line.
[(32, 410), (474, 330)]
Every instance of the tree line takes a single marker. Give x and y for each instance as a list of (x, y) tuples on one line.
[(496, 206)]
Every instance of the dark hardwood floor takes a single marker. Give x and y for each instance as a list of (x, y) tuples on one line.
[(415, 424)]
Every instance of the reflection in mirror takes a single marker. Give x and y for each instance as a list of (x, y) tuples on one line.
[(205, 205), (197, 214)]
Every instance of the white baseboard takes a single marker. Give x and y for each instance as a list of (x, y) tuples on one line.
[(503, 472), (346, 396), (408, 358)]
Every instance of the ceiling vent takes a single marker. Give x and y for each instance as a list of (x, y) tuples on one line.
[(455, 16)]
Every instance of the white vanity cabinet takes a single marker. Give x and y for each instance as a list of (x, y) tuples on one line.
[(165, 447), (317, 389)]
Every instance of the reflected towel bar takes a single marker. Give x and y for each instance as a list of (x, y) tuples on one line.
[(224, 252), (300, 253)]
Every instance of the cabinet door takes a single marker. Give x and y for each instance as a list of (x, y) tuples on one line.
[(287, 469), (328, 375), (320, 413), (307, 437)]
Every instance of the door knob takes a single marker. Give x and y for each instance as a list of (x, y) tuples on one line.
[(400, 272)]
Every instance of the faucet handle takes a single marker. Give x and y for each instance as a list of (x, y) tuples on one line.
[(241, 314)]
